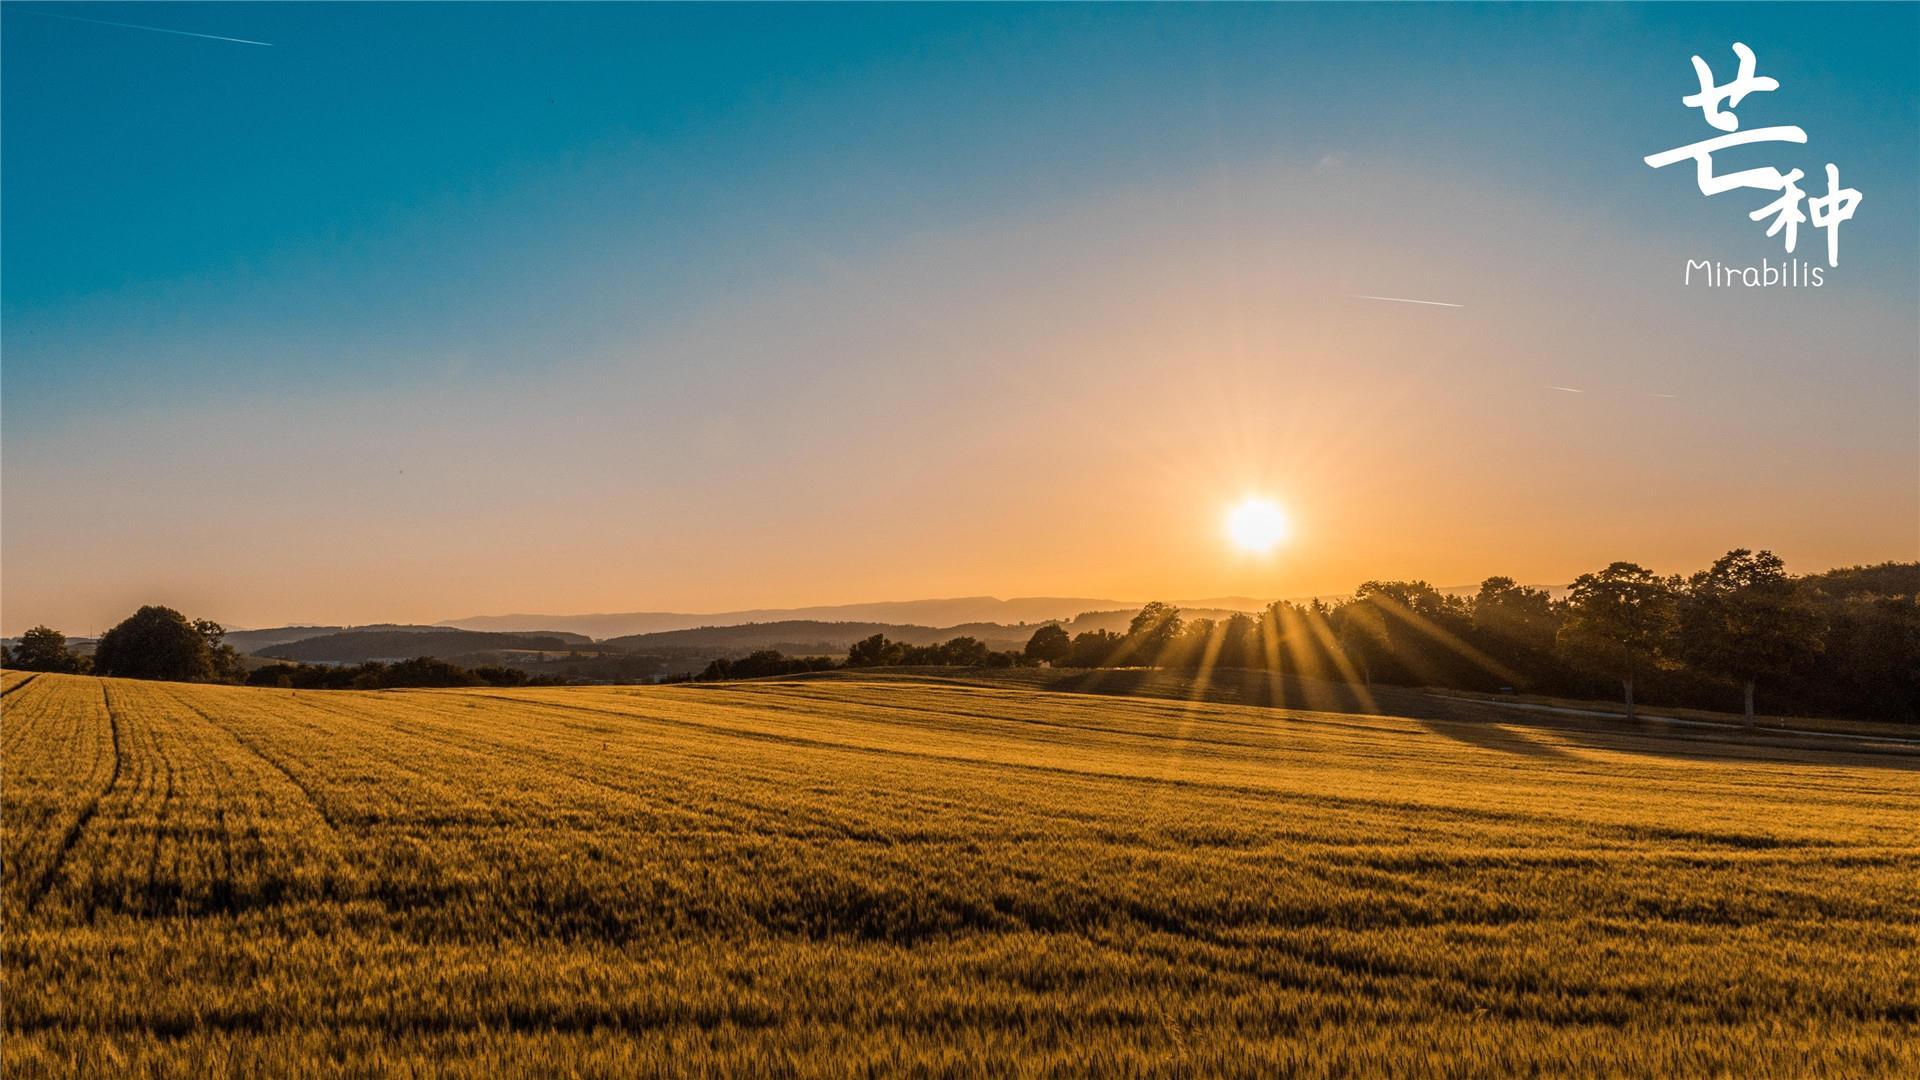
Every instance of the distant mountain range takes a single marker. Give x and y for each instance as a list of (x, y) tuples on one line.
[(829, 628), (795, 637), (684, 641), (916, 613), (810, 637)]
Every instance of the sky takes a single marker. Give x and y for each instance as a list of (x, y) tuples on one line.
[(422, 312)]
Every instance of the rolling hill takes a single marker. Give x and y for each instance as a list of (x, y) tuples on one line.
[(971, 609), (802, 637), (359, 646), (962, 611), (253, 641)]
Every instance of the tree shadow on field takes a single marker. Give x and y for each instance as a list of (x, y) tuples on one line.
[(1487, 724), (1488, 736)]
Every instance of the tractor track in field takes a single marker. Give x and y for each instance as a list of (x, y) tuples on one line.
[(223, 886), (242, 827), (44, 884), (319, 807), (161, 815), (546, 761), (212, 766), (428, 777)]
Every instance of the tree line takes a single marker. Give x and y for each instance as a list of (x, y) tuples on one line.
[(1844, 642), (160, 643), (421, 671), (758, 664), (152, 643), (1847, 641)]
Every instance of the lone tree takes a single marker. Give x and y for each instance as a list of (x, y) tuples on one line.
[(1048, 644), (1619, 620), (1743, 618), (43, 649), (159, 643)]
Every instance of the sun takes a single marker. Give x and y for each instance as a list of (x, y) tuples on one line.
[(1257, 525)]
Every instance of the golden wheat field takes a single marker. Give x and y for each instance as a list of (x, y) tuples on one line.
[(862, 878)]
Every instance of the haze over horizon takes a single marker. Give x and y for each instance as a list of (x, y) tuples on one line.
[(423, 312), (928, 611)]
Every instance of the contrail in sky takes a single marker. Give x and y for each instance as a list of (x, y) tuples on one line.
[(155, 29), (1404, 300), (1577, 390)]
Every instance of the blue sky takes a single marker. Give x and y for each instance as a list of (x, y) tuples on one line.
[(439, 206)]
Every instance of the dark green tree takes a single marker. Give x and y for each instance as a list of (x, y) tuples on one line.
[(227, 665), (1151, 631), (1092, 648), (427, 671), (1363, 635), (1512, 613), (1422, 634), (1190, 647), (1743, 618), (875, 651), (1048, 644), (43, 649), (762, 663), (964, 652), (1621, 621), (1239, 642), (157, 643)]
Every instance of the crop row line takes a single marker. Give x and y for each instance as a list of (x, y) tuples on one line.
[(67, 842)]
